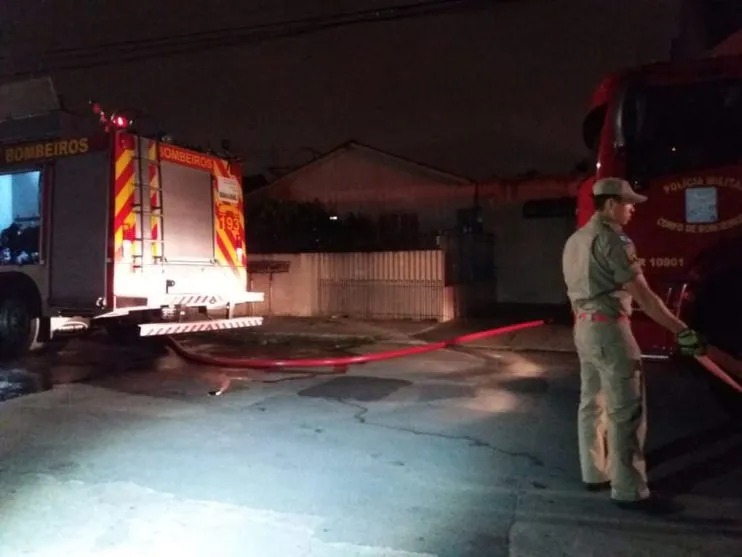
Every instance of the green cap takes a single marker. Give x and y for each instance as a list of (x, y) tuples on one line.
[(619, 188)]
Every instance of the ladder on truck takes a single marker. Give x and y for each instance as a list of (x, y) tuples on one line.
[(147, 205)]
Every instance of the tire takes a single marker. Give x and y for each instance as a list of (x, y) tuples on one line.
[(19, 327)]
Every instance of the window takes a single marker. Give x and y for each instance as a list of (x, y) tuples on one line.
[(20, 217), (683, 128)]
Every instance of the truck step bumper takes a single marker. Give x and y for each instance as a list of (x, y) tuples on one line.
[(207, 300), (157, 329)]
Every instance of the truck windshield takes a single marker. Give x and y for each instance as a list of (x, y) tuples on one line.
[(683, 128)]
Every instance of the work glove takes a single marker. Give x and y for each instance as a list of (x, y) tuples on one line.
[(690, 343)]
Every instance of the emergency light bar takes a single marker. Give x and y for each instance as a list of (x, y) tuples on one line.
[(117, 121)]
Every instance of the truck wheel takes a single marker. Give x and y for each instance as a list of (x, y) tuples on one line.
[(19, 327)]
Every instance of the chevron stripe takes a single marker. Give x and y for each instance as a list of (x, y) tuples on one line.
[(124, 219)]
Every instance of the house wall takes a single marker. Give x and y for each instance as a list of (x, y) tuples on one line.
[(528, 254)]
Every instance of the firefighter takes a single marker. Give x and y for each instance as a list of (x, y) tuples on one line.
[(603, 275)]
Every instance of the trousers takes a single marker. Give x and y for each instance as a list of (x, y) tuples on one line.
[(612, 417)]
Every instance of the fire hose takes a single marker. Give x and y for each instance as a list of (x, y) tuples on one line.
[(711, 360), (340, 364)]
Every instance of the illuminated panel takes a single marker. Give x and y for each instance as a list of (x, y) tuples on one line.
[(229, 221), (154, 200)]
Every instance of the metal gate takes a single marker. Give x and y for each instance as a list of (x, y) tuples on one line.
[(382, 285)]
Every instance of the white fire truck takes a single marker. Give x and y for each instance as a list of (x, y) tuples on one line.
[(100, 226)]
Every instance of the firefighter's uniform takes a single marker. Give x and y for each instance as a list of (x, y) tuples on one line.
[(597, 260)]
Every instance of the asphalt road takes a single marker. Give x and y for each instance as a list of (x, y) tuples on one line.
[(456, 453)]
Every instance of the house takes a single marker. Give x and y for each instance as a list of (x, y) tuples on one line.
[(526, 221), (361, 180)]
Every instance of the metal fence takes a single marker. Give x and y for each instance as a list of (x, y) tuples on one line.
[(370, 285), (382, 285)]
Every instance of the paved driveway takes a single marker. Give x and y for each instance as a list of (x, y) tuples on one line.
[(457, 453)]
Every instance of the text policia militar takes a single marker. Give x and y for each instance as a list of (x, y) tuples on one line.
[(701, 182)]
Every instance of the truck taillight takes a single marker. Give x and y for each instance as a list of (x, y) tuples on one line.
[(241, 256)]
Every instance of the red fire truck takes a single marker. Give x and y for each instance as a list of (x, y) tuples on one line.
[(673, 130), (100, 226)]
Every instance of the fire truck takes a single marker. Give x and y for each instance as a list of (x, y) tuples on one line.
[(102, 227), (673, 131)]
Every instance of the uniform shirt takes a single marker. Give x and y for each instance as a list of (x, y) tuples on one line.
[(598, 259)]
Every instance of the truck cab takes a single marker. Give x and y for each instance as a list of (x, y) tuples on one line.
[(672, 130)]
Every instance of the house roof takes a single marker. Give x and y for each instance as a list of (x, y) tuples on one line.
[(376, 154)]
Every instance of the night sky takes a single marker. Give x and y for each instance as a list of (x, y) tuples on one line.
[(489, 89)]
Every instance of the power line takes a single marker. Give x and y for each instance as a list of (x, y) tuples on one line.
[(216, 33), (175, 45)]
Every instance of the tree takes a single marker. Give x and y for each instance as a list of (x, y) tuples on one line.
[(283, 226)]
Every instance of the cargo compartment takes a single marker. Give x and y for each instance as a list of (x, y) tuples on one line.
[(78, 239)]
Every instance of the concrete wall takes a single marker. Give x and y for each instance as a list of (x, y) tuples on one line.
[(528, 255), (294, 293)]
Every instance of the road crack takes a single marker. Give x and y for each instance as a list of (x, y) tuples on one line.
[(511, 526), (362, 411)]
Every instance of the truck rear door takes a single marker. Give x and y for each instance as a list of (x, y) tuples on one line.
[(188, 227)]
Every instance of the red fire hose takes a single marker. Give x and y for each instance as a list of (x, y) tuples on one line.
[(340, 364), (711, 362)]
